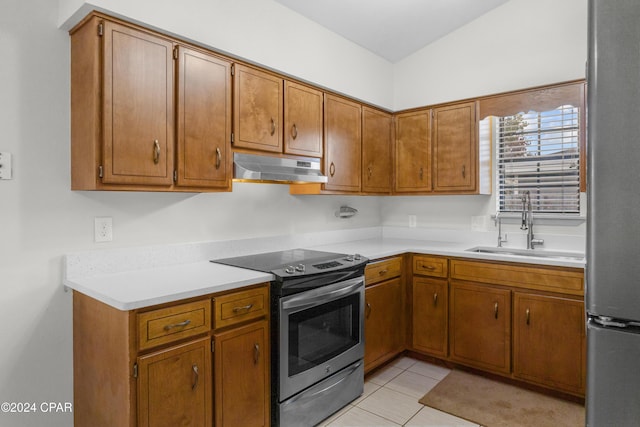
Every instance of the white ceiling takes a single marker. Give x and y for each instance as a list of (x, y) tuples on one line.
[(392, 29)]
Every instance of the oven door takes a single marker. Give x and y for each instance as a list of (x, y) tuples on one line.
[(321, 332)]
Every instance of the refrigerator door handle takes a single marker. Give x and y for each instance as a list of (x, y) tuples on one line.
[(609, 321)]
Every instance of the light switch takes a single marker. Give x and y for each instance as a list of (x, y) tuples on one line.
[(5, 166)]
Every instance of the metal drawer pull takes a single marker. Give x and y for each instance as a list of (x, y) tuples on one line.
[(246, 307), (294, 131), (196, 376), (218, 157), (421, 174), (495, 310), (370, 171), (177, 325), (464, 171), (273, 126), (383, 272), (528, 316), (368, 310), (156, 151), (427, 267), (435, 299), (256, 353)]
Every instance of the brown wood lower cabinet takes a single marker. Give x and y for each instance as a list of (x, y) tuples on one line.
[(480, 326), (242, 376), (430, 308), (549, 341), (154, 366), (383, 325), (180, 375)]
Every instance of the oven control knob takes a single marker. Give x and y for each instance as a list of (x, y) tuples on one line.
[(350, 258), (289, 269), (300, 268), (357, 257)]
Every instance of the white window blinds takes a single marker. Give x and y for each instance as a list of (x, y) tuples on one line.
[(539, 152)]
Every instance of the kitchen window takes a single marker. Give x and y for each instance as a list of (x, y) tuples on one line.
[(538, 138)]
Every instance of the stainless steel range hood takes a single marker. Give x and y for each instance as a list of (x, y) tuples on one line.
[(249, 167)]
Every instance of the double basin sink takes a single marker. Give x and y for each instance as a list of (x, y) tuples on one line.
[(560, 255)]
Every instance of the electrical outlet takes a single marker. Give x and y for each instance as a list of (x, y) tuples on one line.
[(412, 221), (103, 229), (5, 166)]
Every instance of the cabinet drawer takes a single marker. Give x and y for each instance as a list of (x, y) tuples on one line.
[(430, 266), (240, 306), (173, 323), (383, 270), (552, 279)]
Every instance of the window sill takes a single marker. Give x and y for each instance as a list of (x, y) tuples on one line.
[(545, 219)]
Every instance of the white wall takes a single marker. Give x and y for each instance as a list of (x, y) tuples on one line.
[(514, 46), (42, 219), (495, 53)]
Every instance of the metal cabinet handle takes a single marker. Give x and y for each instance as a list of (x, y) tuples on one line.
[(332, 169), (421, 173), (495, 310), (368, 311), (273, 126), (294, 131), (256, 353), (246, 307), (218, 157), (528, 316), (464, 171), (435, 299), (156, 151), (177, 325), (383, 272), (427, 267), (370, 171), (196, 377)]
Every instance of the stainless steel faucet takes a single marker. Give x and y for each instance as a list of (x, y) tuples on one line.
[(527, 221), (498, 223)]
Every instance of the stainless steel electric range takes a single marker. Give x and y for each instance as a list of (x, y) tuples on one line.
[(317, 331)]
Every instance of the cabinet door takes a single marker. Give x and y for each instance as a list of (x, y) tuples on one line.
[(430, 309), (138, 127), (480, 326), (242, 392), (342, 130), (455, 148), (413, 152), (174, 386), (257, 110), (302, 120), (384, 322), (204, 120), (376, 151), (549, 341)]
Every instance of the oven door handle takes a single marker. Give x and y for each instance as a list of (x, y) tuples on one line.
[(323, 295)]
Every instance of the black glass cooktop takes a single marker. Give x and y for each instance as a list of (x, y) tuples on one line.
[(273, 261)]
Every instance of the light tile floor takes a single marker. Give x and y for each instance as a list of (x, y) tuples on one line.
[(391, 397)]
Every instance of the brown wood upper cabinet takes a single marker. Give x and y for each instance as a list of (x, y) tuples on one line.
[(413, 152), (204, 120), (276, 115), (122, 112), (377, 166), (124, 100), (455, 148), (258, 97), (343, 139), (302, 120)]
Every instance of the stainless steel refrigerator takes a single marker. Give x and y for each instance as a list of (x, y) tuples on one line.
[(613, 218)]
